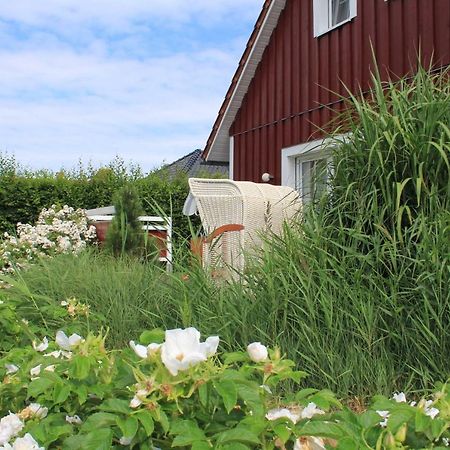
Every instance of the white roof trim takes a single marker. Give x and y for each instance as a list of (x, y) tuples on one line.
[(219, 150)]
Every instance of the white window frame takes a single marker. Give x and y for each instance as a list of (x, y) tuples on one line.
[(299, 160), (309, 151), (322, 16)]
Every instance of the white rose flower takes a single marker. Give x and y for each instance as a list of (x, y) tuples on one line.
[(277, 413), (68, 343), (42, 346), (140, 395), (11, 368), (142, 351), (55, 354), (211, 344), (38, 411), (429, 410), (311, 410), (135, 402), (400, 397), (257, 352), (385, 416), (74, 420), (35, 371), (182, 349), (309, 443), (25, 443), (10, 426)]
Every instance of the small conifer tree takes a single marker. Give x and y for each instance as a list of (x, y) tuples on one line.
[(125, 235)]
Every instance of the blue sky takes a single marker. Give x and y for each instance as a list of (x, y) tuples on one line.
[(92, 79)]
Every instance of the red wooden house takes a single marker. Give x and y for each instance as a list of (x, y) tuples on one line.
[(296, 63)]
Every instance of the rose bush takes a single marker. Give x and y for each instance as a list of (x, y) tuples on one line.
[(57, 230), (173, 390)]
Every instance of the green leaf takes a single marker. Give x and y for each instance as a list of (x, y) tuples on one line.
[(80, 367), (324, 399), (61, 393), (369, 419), (238, 434), (203, 394), (230, 358), (99, 420), (115, 405), (49, 430), (187, 432), (321, 429), (236, 446), (304, 393), (156, 336), (128, 426), (249, 392), (82, 393), (438, 426), (160, 416), (282, 431), (201, 446), (146, 420), (348, 443), (294, 375), (257, 424), (227, 390), (39, 386), (422, 421), (398, 417), (381, 403), (96, 440)]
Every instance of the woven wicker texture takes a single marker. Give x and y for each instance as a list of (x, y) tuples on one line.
[(259, 207)]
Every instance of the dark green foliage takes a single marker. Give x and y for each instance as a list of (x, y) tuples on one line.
[(125, 235), (23, 194)]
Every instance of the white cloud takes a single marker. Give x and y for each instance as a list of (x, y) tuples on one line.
[(60, 101), (121, 13), (89, 105)]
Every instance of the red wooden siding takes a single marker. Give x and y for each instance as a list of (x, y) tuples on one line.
[(298, 72)]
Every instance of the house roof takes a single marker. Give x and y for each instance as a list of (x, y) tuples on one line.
[(217, 147), (193, 165)]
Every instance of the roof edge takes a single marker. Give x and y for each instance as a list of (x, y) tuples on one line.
[(246, 69)]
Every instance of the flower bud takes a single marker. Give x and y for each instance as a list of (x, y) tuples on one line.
[(400, 436), (389, 441), (257, 352)]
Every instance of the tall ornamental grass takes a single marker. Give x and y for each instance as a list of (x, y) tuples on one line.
[(358, 292)]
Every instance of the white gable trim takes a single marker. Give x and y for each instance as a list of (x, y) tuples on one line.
[(219, 150)]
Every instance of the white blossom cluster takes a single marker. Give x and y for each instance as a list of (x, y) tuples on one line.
[(12, 424), (63, 230), (400, 397)]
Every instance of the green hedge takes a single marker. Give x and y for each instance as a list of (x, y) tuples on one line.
[(23, 196)]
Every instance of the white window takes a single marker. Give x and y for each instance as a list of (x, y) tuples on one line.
[(306, 167), (311, 176), (329, 14)]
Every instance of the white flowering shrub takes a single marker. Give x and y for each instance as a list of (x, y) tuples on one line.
[(57, 230), (173, 390)]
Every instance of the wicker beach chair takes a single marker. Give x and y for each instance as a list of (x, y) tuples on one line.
[(251, 209)]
